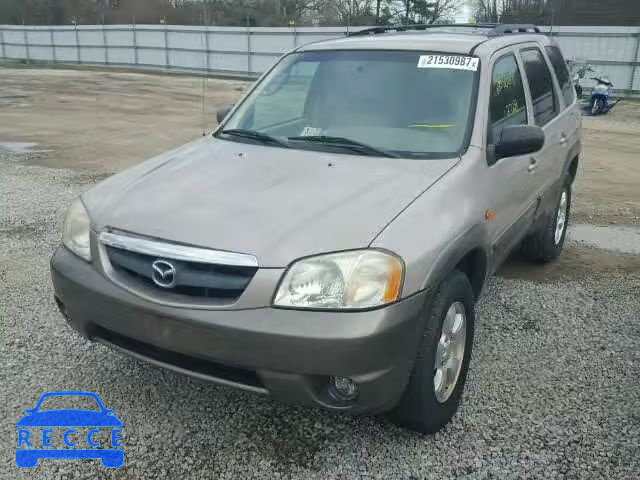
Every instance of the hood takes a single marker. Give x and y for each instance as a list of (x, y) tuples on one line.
[(277, 204)]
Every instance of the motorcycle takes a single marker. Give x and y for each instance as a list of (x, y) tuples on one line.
[(578, 76), (600, 94), (600, 99)]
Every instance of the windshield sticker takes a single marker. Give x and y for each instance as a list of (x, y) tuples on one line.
[(456, 62), (311, 132)]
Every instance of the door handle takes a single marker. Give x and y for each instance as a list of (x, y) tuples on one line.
[(563, 139), (533, 164)]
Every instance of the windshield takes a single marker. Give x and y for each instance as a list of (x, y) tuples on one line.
[(408, 104)]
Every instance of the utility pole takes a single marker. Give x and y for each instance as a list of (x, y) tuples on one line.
[(378, 12)]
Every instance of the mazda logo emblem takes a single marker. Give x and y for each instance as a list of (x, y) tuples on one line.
[(164, 273)]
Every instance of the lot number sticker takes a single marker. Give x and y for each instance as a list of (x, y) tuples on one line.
[(456, 62)]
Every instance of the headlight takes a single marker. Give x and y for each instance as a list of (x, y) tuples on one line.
[(75, 232), (346, 280)]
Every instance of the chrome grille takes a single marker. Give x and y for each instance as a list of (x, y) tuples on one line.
[(192, 279)]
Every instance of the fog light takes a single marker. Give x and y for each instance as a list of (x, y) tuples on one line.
[(342, 388)]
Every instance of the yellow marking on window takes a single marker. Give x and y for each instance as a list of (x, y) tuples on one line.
[(426, 125)]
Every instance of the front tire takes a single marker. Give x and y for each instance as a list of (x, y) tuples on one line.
[(435, 386), (597, 106), (545, 244)]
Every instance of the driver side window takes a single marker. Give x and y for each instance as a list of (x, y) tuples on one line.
[(507, 105)]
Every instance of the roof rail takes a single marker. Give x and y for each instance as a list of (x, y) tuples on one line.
[(419, 26), (493, 29), (508, 29)]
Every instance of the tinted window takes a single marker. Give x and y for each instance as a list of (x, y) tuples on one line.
[(541, 86), (562, 73), (507, 105)]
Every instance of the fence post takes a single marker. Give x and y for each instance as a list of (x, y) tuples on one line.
[(78, 56), (135, 44), (4, 55), (26, 42), (105, 44), (634, 61), (249, 66), (166, 46), (206, 41), (53, 44)]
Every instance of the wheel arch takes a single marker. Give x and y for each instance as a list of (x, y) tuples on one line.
[(471, 259), (572, 161), (474, 265)]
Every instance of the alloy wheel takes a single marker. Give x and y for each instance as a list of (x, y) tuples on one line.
[(450, 352)]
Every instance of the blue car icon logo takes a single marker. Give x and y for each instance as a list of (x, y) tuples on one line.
[(40, 432)]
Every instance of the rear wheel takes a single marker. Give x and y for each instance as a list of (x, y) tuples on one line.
[(545, 244), (436, 383)]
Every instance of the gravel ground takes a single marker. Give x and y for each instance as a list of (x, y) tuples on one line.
[(553, 390)]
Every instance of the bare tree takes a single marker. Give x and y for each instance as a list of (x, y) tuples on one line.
[(513, 11), (487, 10), (425, 11), (438, 10), (296, 10), (352, 12)]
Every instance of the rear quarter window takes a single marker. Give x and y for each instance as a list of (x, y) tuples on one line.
[(543, 95), (562, 73)]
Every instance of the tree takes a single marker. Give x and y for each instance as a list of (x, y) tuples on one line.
[(353, 12), (513, 11), (434, 11), (296, 10), (424, 11), (140, 11), (47, 12), (486, 10)]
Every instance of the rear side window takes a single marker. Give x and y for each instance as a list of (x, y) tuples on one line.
[(507, 105), (562, 73), (542, 92)]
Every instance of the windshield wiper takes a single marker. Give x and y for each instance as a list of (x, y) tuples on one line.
[(255, 135), (342, 142)]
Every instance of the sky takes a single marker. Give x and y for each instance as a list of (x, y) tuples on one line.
[(464, 14)]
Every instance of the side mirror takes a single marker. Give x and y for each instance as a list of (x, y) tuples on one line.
[(222, 113), (519, 140)]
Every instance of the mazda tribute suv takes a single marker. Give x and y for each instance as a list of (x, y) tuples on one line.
[(326, 245)]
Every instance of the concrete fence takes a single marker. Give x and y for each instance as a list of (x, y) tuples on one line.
[(247, 52)]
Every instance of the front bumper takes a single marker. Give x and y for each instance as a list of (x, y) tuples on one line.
[(289, 354)]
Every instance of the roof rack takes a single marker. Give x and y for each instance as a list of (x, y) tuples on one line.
[(509, 29), (493, 29)]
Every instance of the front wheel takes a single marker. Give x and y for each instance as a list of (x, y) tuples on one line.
[(436, 383), (597, 106)]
